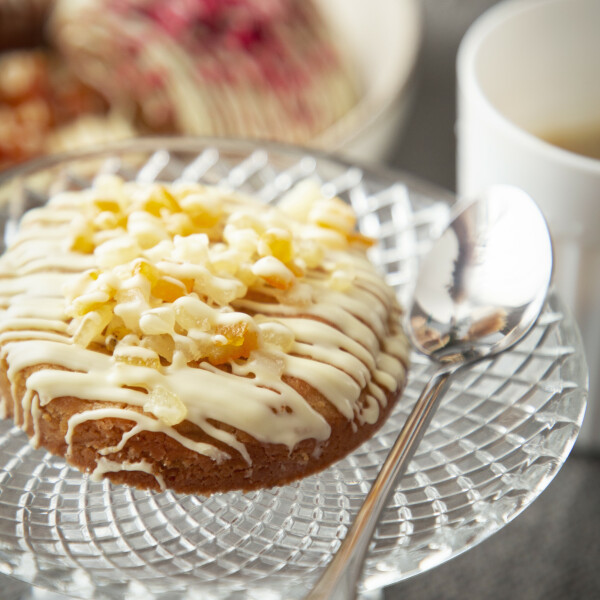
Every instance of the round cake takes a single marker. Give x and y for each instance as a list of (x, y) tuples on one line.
[(188, 337)]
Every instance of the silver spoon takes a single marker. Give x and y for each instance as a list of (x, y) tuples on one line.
[(479, 291)]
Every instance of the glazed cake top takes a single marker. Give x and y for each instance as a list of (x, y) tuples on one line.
[(186, 302)]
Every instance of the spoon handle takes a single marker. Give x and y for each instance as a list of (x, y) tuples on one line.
[(340, 578)]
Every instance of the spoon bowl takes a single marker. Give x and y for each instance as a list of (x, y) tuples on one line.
[(479, 291), (484, 282)]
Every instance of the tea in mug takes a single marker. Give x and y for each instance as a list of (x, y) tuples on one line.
[(584, 141)]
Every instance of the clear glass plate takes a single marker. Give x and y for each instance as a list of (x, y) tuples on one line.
[(500, 436)]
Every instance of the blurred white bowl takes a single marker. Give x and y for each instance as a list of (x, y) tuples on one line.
[(382, 38)]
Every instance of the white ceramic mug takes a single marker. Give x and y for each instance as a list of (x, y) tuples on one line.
[(529, 70)]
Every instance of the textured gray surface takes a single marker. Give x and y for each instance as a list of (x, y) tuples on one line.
[(551, 551)]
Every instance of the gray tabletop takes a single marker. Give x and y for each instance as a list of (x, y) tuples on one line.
[(552, 550)]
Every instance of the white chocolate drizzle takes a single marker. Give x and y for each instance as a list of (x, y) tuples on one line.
[(158, 305)]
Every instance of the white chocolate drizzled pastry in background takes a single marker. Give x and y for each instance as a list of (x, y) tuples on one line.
[(242, 68), (182, 336)]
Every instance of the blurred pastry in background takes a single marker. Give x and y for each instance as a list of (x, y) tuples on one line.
[(42, 105), (258, 68)]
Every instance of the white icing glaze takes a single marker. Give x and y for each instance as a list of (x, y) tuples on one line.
[(104, 465), (148, 318)]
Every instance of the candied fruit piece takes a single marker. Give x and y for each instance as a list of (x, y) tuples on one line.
[(233, 333), (158, 320), (245, 219), (162, 251), (333, 213), (87, 302), (299, 200), (189, 283), (107, 220), (107, 283), (277, 334), (128, 295), (83, 242), (204, 209), (136, 356), (278, 243), (192, 313), (238, 341), (162, 344), (166, 406), (117, 251), (169, 289), (160, 199), (244, 239), (274, 272), (310, 253), (192, 248), (296, 268), (147, 270), (147, 229), (131, 302), (115, 331), (82, 235), (92, 325), (79, 284), (179, 224), (107, 204), (359, 239)]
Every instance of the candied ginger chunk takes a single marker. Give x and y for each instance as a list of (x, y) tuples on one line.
[(87, 302), (162, 344), (277, 242), (333, 213), (159, 200), (277, 334), (82, 236), (359, 239), (83, 242), (179, 224), (147, 229), (136, 356), (235, 340), (299, 201), (158, 320), (92, 325), (146, 270), (191, 248), (192, 313), (169, 289), (117, 251), (274, 272), (203, 208), (166, 406), (79, 284), (106, 204)]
